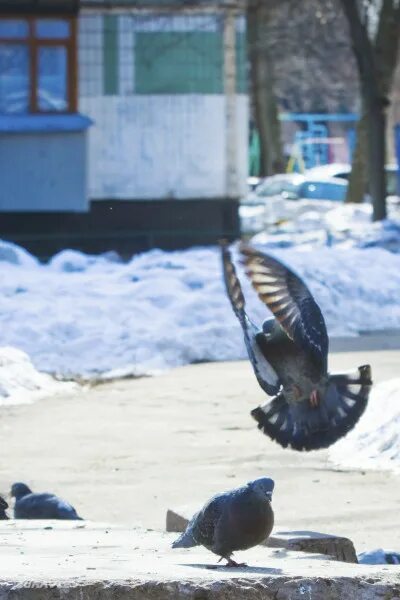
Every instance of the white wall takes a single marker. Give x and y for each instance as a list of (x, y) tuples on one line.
[(161, 146), (155, 146)]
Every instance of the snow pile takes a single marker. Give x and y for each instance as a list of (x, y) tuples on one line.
[(20, 382), (375, 441), (15, 255), (379, 557), (94, 317), (345, 226), (349, 217), (351, 224)]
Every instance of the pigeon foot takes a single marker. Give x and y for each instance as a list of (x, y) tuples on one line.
[(233, 563)]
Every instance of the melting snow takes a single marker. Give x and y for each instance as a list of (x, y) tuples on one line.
[(20, 382), (375, 441), (94, 316)]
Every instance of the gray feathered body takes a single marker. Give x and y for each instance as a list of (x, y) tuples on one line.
[(231, 521), (44, 506), (294, 370)]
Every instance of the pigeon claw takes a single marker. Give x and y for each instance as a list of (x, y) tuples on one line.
[(314, 399), (233, 563)]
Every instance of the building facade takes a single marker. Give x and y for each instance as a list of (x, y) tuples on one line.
[(121, 121), (155, 83)]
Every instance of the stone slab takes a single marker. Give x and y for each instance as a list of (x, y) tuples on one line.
[(48, 560), (337, 547)]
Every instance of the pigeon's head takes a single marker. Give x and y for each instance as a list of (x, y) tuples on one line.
[(263, 486), (19, 490)]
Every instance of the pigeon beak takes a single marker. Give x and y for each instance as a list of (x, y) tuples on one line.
[(269, 495)]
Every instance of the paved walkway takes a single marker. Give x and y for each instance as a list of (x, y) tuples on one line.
[(128, 450), (44, 561)]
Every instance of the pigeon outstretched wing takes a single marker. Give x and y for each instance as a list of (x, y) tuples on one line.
[(290, 301), (266, 375)]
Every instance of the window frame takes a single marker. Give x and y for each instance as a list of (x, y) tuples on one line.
[(34, 43)]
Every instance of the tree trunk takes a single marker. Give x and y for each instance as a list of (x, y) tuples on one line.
[(262, 89), (358, 176), (366, 63), (377, 153), (376, 65)]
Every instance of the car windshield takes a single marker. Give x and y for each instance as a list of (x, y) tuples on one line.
[(276, 187)]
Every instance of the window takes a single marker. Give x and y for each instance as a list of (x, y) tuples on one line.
[(37, 65)]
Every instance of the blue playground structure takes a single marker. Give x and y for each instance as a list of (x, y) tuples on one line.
[(311, 145)]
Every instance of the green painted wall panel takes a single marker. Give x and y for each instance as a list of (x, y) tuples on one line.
[(189, 62), (110, 55)]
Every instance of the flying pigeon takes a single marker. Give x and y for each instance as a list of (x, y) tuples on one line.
[(234, 520), (310, 408), (40, 506), (3, 508)]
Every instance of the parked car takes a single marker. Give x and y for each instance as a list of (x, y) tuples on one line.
[(277, 185), (343, 171), (284, 197)]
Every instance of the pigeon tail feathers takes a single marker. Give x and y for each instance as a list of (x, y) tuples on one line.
[(186, 540), (303, 427)]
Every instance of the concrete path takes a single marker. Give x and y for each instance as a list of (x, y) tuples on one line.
[(129, 450), (48, 561), (376, 341)]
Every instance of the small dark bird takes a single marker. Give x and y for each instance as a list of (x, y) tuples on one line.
[(235, 520), (310, 408), (3, 508), (40, 506)]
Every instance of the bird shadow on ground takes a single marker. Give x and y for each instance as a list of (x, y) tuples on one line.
[(308, 534), (244, 569)]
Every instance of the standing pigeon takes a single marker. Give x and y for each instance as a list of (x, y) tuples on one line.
[(3, 508), (235, 520), (310, 408), (40, 506)]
